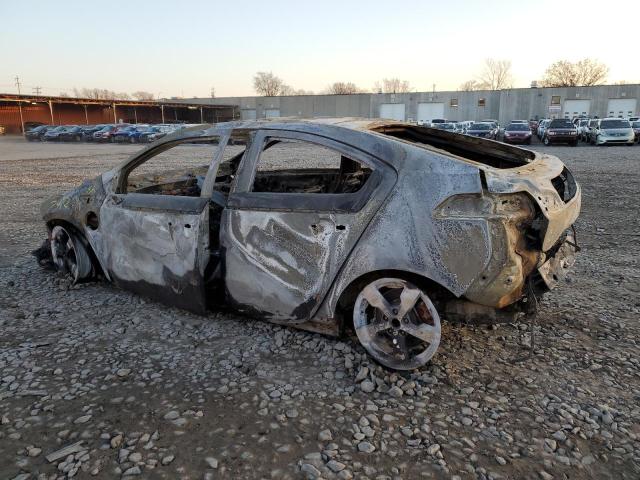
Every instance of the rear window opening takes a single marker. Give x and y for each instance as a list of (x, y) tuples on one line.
[(493, 154)]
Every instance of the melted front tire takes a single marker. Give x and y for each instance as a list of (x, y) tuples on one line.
[(69, 254), (397, 323)]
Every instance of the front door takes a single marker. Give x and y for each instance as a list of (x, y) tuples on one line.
[(300, 204), (155, 227)]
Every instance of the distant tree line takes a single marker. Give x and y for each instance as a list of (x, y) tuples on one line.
[(496, 75), (269, 85)]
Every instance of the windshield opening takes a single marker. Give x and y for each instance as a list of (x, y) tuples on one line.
[(614, 124)]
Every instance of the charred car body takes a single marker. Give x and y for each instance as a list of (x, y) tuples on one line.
[(393, 226)]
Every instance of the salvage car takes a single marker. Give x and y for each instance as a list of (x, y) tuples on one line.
[(36, 133), (560, 130), (517, 133), (378, 228), (482, 129), (612, 131)]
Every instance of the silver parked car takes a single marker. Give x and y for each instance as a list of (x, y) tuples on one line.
[(379, 228), (611, 131)]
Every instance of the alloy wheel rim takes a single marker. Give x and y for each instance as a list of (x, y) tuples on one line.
[(397, 323)]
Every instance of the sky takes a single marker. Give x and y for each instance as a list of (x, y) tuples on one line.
[(185, 48)]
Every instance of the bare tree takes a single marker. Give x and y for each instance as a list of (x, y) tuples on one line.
[(586, 72), (392, 85), (142, 95), (496, 74), (100, 94), (267, 84), (342, 88), (470, 85)]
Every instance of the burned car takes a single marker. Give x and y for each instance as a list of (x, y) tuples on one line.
[(379, 228)]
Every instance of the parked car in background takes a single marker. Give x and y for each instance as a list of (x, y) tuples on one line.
[(518, 121), (586, 131), (634, 119), (611, 131), (636, 129), (89, 130), (124, 134), (53, 134), (36, 133), (465, 125), (517, 133), (107, 132), (542, 127), (435, 121), (147, 134), (482, 129), (560, 130), (582, 125), (72, 133), (448, 126)]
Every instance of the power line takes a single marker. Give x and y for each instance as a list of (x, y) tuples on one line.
[(20, 103)]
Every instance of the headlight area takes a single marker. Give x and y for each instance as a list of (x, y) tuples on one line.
[(514, 230)]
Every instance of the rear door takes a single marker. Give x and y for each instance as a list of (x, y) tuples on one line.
[(154, 231), (300, 204)]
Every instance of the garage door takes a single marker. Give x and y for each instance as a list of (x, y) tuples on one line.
[(622, 107), (394, 111), (271, 113), (576, 108), (248, 114), (429, 111)]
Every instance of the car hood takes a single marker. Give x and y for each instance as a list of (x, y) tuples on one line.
[(609, 131)]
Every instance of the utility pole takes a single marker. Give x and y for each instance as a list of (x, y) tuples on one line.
[(37, 90), (20, 104), (213, 92)]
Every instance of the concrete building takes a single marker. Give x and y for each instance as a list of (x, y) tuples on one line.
[(503, 105)]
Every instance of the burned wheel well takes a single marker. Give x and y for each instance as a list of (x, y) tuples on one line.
[(97, 268), (344, 309)]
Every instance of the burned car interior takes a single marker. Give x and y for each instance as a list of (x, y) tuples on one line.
[(336, 225)]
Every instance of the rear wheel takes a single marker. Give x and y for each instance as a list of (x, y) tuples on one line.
[(69, 254), (397, 323)]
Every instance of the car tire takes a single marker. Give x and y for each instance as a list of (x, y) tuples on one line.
[(77, 138), (69, 253), (574, 144), (392, 314), (546, 141), (528, 142), (132, 140)]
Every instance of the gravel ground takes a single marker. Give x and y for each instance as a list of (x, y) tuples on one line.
[(132, 388)]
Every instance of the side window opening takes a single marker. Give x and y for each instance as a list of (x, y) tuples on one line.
[(296, 166), (178, 170)]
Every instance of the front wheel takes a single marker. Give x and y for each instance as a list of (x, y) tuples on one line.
[(69, 254), (397, 323), (546, 141)]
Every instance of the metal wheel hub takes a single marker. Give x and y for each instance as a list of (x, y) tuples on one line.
[(69, 255), (397, 323)]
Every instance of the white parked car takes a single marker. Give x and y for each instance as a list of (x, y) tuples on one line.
[(542, 126), (611, 131)]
